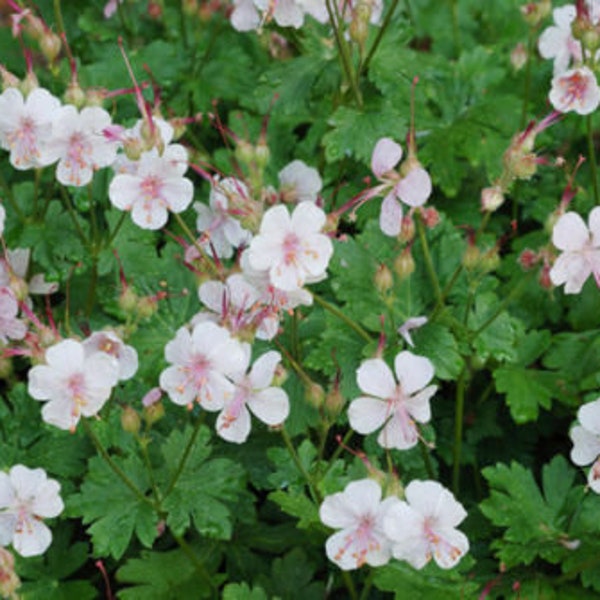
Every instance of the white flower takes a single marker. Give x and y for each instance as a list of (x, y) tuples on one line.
[(245, 16), (581, 250), (202, 363), (575, 90), (425, 527), (156, 187), (557, 41), (254, 392), (359, 512), (292, 249), (79, 145), (413, 188), (73, 384), (26, 126), (396, 406), (222, 231), (10, 326), (408, 325), (26, 497), (110, 343), (299, 183), (586, 441)]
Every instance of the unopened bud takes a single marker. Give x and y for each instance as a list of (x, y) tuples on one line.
[(128, 300), (407, 229), (130, 420), (492, 198), (518, 56), (544, 278), (262, 154), (50, 45), (9, 580), (154, 413), (535, 12), (490, 260), (384, 279), (155, 10), (404, 265), (245, 152), (315, 395), (334, 402), (75, 95), (29, 84), (146, 307), (9, 79), (359, 27), (430, 216), (189, 7), (133, 148), (280, 376), (528, 259), (471, 258)]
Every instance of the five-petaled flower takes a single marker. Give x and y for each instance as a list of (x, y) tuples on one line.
[(394, 405), (26, 497), (586, 441), (575, 90)]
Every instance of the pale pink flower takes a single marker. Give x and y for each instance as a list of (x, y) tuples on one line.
[(557, 41), (253, 394), (581, 251), (292, 249), (72, 383), (359, 513), (413, 187), (222, 231), (10, 326), (26, 126), (111, 7), (586, 441), (299, 183), (575, 90), (394, 405), (424, 527), (245, 16), (202, 364), (79, 145), (157, 186), (110, 343), (408, 325), (26, 497)]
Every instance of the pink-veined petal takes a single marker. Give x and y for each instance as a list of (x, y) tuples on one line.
[(413, 372), (414, 189), (386, 155), (375, 378), (390, 217), (367, 414)]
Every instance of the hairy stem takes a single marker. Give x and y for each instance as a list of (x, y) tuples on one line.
[(459, 411), (334, 310), (592, 156)]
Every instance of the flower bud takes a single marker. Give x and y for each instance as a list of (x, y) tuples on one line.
[(384, 279), (245, 152), (30, 83), (9, 79), (189, 7), (146, 307), (430, 216), (315, 395), (6, 368), (492, 198), (535, 12), (50, 45), (490, 260), (154, 413), (130, 420), (74, 94), (518, 57), (128, 300), (407, 229), (334, 402), (404, 265), (471, 258), (262, 154), (9, 580), (528, 259)]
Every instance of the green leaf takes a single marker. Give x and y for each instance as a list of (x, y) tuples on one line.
[(297, 505), (242, 591), (526, 390), (113, 510)]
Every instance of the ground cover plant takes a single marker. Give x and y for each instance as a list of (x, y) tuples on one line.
[(299, 299)]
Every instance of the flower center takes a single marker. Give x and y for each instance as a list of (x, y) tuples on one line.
[(291, 248)]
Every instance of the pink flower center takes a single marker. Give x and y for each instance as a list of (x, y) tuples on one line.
[(574, 88), (362, 540), (151, 188), (439, 546), (78, 155), (291, 248), (22, 141)]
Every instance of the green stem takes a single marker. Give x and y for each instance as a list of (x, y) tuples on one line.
[(516, 291), (191, 555), (206, 259), (455, 27), (427, 459), (458, 429), (116, 230), (380, 33), (91, 295), (341, 447), (183, 18), (309, 480), (60, 24), (344, 54), (185, 454), (334, 310), (349, 585), (71, 211), (114, 466), (124, 23), (367, 587), (429, 263), (593, 162), (155, 491), (294, 364)]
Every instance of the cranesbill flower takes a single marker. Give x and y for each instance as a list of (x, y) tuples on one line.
[(13, 273), (586, 441), (575, 90), (26, 126), (202, 364), (157, 186), (72, 383), (425, 526), (412, 187), (359, 513), (292, 249), (299, 183), (580, 247), (394, 405), (26, 497), (110, 343), (253, 393), (10, 326), (557, 41), (79, 145)]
